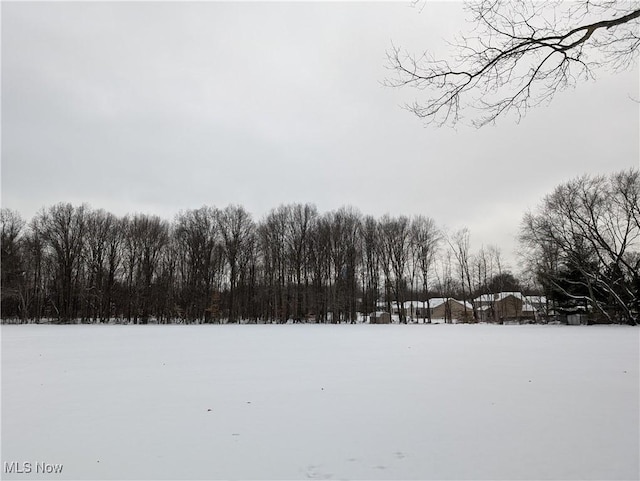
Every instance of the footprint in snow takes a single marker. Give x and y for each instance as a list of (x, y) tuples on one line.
[(314, 473)]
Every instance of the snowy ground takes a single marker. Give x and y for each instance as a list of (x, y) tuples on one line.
[(321, 402)]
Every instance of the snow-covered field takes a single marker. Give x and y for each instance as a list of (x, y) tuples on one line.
[(321, 402)]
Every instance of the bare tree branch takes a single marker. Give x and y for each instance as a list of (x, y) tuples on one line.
[(518, 56)]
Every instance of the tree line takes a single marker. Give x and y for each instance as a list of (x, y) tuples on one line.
[(212, 264), (209, 264)]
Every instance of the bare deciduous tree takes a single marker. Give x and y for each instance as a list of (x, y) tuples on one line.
[(271, 241), (237, 230), (394, 253), (62, 228), (584, 242), (425, 239), (445, 283), (370, 263), (344, 229), (196, 236), (459, 243), (101, 260), (12, 225), (300, 225)]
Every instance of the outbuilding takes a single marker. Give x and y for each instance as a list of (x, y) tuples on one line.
[(380, 318)]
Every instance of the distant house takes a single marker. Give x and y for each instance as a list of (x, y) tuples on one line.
[(412, 309), (450, 308), (440, 307), (416, 309), (505, 306)]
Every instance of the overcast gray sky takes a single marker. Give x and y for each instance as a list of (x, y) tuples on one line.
[(160, 107)]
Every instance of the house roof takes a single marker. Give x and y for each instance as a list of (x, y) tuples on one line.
[(438, 301), (499, 296)]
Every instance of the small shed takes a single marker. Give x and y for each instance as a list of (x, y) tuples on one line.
[(380, 318)]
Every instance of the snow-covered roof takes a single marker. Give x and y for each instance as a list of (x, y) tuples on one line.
[(438, 301), (499, 296), (468, 304)]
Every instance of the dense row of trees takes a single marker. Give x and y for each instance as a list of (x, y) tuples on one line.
[(581, 247), (73, 262)]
